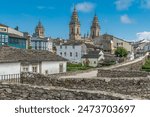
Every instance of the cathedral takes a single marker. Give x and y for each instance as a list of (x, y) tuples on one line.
[(39, 31), (74, 29)]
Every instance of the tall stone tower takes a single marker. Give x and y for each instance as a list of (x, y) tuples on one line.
[(74, 26), (95, 28), (39, 30)]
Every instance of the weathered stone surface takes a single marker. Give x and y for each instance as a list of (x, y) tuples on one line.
[(49, 94), (133, 86), (121, 73)]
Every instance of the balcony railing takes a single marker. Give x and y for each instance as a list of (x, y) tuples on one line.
[(14, 78)]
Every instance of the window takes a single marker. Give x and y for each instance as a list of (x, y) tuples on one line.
[(65, 47), (60, 46), (70, 54), (2, 29), (76, 54), (61, 53), (61, 68), (94, 62), (73, 47), (46, 72), (25, 69), (65, 54), (34, 69), (77, 30)]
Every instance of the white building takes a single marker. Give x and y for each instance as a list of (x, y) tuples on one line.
[(92, 58), (14, 61), (42, 43), (72, 51), (147, 47), (14, 31)]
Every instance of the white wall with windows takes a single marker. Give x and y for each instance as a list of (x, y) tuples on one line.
[(35, 68), (71, 52), (45, 67), (93, 62), (53, 67)]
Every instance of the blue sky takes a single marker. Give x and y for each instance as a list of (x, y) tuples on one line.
[(127, 19)]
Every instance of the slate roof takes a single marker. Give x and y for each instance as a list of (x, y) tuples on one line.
[(3, 25), (95, 54), (10, 54), (92, 54), (73, 43)]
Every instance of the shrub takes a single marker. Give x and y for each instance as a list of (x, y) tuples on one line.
[(121, 52)]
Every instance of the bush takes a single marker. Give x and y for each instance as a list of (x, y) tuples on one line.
[(146, 66), (121, 52)]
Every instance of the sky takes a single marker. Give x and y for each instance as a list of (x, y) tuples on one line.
[(126, 19)]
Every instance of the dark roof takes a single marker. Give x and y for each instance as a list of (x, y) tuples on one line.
[(10, 54), (95, 54), (3, 25), (111, 37), (88, 45), (92, 54), (16, 36), (73, 43)]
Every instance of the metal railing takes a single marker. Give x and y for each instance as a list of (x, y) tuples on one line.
[(15, 78)]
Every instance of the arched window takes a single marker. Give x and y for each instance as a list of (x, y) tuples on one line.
[(77, 30)]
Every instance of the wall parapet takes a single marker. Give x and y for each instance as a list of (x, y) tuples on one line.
[(115, 73)]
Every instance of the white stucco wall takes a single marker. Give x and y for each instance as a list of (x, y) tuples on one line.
[(9, 68), (69, 48), (53, 67), (30, 67), (91, 60)]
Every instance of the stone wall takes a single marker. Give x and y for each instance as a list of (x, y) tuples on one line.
[(132, 86), (134, 66), (27, 92), (121, 73), (131, 65)]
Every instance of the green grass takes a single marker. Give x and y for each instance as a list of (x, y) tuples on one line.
[(146, 66), (76, 67)]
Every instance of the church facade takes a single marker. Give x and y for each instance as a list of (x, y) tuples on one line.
[(75, 28)]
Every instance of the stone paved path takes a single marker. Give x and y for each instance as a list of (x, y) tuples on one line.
[(91, 74)]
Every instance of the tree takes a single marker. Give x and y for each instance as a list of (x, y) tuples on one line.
[(121, 52)]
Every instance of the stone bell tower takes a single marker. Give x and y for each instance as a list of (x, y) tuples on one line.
[(39, 30), (95, 28), (74, 26)]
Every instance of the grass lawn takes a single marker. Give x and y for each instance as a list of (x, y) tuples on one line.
[(76, 67), (146, 66)]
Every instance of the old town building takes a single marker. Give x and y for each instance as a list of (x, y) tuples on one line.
[(12, 37), (14, 61)]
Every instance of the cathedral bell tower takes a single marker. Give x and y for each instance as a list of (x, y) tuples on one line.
[(74, 26), (39, 30), (95, 28)]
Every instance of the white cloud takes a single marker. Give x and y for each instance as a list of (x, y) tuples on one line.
[(85, 6), (125, 19), (145, 4), (123, 4), (44, 7), (143, 35)]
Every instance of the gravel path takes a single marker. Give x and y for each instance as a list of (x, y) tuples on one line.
[(91, 74)]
